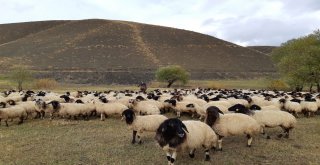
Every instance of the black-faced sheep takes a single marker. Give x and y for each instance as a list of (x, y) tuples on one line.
[(139, 124), (231, 124), (174, 135)]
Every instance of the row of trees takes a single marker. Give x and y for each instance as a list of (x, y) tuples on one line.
[(298, 61)]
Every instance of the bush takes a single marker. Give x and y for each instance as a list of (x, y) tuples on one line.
[(215, 85), (277, 85), (172, 74), (45, 84)]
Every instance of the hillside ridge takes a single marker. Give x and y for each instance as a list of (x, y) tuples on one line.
[(117, 51)]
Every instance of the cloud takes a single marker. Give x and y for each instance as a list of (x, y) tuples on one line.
[(254, 22)]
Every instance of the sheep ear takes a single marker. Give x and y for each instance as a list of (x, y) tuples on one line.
[(184, 128), (163, 129), (222, 112)]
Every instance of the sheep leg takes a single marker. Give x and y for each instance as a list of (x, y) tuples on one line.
[(7, 123), (191, 153), (207, 155), (287, 130), (134, 133), (265, 134), (284, 131), (178, 114), (21, 120), (249, 140), (37, 115), (220, 143), (102, 116), (42, 113), (139, 137)]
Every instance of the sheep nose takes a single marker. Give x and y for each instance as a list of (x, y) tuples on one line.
[(181, 135)]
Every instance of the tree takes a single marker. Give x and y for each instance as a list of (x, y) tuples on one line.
[(171, 74), (20, 75), (298, 61)]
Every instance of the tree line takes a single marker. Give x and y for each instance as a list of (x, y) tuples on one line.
[(298, 61)]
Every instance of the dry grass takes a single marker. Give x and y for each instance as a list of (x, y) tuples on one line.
[(45, 83), (108, 142)]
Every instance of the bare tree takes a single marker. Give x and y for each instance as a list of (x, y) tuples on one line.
[(20, 75)]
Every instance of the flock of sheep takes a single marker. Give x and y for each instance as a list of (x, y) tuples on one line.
[(216, 113)]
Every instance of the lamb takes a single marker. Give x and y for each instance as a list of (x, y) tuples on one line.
[(272, 119), (106, 109), (231, 124), (174, 135), (11, 113), (139, 124)]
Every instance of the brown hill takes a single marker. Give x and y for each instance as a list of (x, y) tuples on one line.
[(263, 49), (96, 51)]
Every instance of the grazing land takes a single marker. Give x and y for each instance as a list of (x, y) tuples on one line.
[(62, 141)]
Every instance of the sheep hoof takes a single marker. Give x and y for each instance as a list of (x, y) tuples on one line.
[(191, 155), (280, 136), (248, 145), (214, 148), (286, 136), (219, 149), (133, 141), (207, 158), (140, 142), (268, 137)]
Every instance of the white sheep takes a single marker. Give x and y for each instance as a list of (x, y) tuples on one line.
[(183, 106), (11, 113), (271, 119), (231, 124), (290, 106), (144, 107), (309, 107), (106, 109), (234, 101), (139, 124), (174, 135), (71, 109)]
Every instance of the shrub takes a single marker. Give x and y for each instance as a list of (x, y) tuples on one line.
[(45, 83), (277, 85)]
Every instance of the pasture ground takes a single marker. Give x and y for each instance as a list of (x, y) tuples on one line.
[(62, 141)]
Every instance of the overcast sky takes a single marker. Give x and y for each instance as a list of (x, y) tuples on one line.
[(245, 22)]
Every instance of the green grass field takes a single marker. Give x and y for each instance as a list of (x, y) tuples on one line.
[(73, 142)]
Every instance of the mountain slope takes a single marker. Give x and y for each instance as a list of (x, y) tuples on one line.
[(123, 52)]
